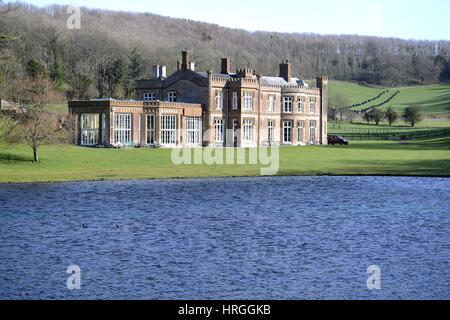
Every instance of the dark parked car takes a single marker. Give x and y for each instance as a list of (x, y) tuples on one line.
[(337, 140)]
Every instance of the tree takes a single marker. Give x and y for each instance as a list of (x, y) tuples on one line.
[(376, 115), (332, 114), (35, 69), (391, 115), (136, 69), (136, 65), (412, 115), (339, 102), (367, 116), (34, 124)]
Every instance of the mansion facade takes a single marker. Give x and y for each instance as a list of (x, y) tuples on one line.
[(190, 108)]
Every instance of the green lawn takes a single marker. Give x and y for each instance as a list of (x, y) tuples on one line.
[(66, 163), (435, 99)]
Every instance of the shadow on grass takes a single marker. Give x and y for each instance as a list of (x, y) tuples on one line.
[(6, 157), (427, 168), (422, 168), (435, 144)]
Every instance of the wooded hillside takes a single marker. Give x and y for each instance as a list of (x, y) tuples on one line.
[(114, 48)]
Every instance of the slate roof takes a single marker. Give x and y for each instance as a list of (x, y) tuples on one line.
[(278, 81)]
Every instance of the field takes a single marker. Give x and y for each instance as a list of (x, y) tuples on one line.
[(374, 150), (434, 99), (67, 163)]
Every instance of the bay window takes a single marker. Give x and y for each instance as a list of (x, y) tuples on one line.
[(219, 130), (287, 132), (287, 104), (151, 129), (89, 129), (248, 101), (248, 131), (169, 129), (122, 128), (301, 104), (194, 131)]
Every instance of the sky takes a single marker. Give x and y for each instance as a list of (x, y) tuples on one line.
[(407, 19)]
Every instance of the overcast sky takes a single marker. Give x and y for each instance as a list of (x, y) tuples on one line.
[(409, 19)]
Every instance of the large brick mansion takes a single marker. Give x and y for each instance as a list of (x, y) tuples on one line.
[(190, 108)]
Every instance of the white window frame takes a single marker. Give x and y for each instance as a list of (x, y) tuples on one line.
[(312, 131), (300, 131), (287, 132), (312, 105), (194, 131), (287, 104), (248, 131), (235, 129), (219, 130), (168, 131), (272, 101), (301, 105), (172, 96), (104, 130), (219, 99), (149, 96), (89, 129), (270, 130), (123, 124), (248, 101), (235, 101), (151, 129)]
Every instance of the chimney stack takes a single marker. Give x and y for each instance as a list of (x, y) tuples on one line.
[(185, 60), (285, 71), (226, 66), (156, 72), (163, 72)]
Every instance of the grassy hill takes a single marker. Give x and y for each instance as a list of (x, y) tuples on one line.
[(434, 99)]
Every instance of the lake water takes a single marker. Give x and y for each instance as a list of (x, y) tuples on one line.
[(246, 238)]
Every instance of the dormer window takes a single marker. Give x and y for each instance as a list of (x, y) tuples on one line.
[(149, 96), (172, 96)]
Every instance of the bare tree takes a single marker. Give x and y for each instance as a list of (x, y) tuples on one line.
[(9, 7), (34, 124)]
